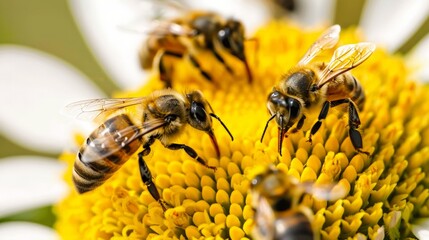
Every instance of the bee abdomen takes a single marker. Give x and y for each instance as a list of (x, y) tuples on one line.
[(298, 228), (104, 153)]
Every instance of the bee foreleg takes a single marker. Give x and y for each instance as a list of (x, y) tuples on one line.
[(191, 152), (198, 66), (147, 178), (322, 115), (298, 125), (354, 123)]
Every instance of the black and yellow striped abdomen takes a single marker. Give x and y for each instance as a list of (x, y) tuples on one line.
[(346, 86), (105, 151), (293, 225)]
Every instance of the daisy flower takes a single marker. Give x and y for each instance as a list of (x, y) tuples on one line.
[(387, 192)]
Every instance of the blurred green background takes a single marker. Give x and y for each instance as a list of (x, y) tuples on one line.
[(48, 25)]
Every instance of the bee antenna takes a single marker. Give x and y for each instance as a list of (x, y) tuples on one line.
[(215, 116), (266, 126)]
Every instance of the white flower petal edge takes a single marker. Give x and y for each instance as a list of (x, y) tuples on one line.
[(419, 58), (252, 13), (311, 13), (421, 228), (26, 230), (35, 86), (28, 181), (392, 22), (102, 24)]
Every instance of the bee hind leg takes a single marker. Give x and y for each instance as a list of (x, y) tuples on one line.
[(322, 115), (354, 123), (147, 178), (191, 152)]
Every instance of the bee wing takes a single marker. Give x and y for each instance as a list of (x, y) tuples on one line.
[(264, 219), (116, 139), (325, 191), (163, 28), (344, 59), (158, 23), (160, 28), (326, 41), (177, 5), (91, 109)]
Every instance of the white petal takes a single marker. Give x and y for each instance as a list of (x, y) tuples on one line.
[(314, 13), (419, 58), (115, 48), (34, 87), (421, 228), (26, 231), (392, 22), (28, 181), (251, 13)]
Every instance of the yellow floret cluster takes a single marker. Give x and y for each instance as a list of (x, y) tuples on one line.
[(386, 191)]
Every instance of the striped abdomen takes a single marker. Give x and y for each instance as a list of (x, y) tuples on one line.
[(346, 86), (105, 150), (293, 226)]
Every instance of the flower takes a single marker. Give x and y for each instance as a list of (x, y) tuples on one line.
[(37, 71), (386, 191)]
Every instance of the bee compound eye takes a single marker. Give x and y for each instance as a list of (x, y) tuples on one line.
[(256, 180), (274, 96), (224, 37), (294, 107), (198, 112)]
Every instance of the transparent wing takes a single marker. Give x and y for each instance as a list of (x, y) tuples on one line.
[(92, 108), (324, 192), (162, 28), (344, 59), (177, 5), (157, 21), (327, 40), (110, 141), (264, 219)]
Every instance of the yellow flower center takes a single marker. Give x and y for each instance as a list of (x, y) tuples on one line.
[(385, 191)]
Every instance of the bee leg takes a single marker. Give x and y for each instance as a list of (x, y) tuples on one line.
[(164, 74), (147, 178), (191, 152), (220, 59), (354, 123), (198, 66), (322, 115), (298, 125)]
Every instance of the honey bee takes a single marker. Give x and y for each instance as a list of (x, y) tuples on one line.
[(188, 36), (165, 113), (276, 200), (311, 87)]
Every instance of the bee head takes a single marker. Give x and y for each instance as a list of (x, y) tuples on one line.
[(231, 36), (286, 109), (200, 114), (272, 183)]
